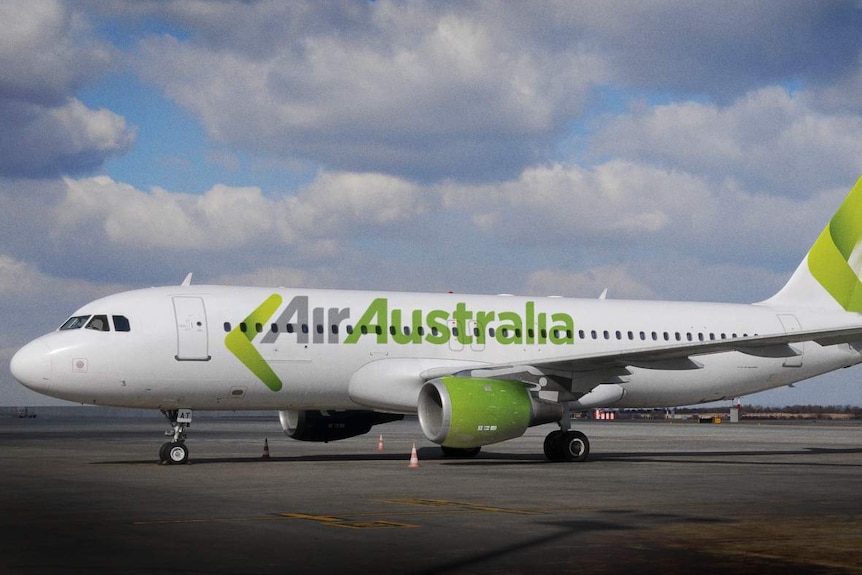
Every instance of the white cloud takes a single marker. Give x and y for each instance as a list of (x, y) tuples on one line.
[(333, 207), (768, 139), (421, 90), (47, 52)]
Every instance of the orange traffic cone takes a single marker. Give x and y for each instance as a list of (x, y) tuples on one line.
[(380, 443), (414, 459), (265, 449)]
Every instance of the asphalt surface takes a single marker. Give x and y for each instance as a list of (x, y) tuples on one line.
[(88, 496)]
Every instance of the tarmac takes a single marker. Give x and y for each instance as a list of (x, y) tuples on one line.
[(84, 495)]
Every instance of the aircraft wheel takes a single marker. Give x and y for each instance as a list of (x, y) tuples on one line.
[(163, 452), (460, 452), (177, 453), (566, 446)]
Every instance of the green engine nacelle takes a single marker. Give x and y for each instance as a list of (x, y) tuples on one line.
[(465, 412)]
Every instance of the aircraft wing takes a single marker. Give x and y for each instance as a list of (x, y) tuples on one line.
[(580, 373)]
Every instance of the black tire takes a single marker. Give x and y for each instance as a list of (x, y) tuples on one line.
[(460, 452), (551, 446), (177, 454), (163, 452), (566, 446)]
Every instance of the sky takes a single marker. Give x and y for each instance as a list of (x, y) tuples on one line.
[(662, 150)]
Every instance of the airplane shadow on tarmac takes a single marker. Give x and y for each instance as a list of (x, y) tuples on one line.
[(487, 458)]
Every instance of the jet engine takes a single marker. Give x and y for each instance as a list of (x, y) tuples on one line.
[(466, 412), (331, 425)]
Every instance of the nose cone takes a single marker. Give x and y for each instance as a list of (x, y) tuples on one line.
[(31, 366)]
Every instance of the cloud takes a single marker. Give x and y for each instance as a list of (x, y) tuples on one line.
[(418, 91), (767, 139), (46, 55), (333, 208), (715, 49), (49, 141)]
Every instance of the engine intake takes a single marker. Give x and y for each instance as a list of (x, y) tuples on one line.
[(465, 412)]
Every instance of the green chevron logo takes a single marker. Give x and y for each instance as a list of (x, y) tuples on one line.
[(238, 342), (829, 258)]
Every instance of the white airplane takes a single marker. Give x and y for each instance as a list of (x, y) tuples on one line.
[(477, 369)]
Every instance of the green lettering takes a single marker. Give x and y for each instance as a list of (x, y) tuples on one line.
[(483, 318), (413, 335), (508, 333), (374, 319), (437, 322), (563, 331), (461, 316)]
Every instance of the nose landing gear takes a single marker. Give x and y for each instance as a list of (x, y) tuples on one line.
[(175, 451)]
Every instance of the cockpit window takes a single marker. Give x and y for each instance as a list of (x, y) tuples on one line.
[(75, 322), (121, 323), (99, 323)]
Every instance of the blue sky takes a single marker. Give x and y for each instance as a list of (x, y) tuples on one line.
[(662, 150)]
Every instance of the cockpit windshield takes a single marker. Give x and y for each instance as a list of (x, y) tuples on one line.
[(97, 322), (75, 322)]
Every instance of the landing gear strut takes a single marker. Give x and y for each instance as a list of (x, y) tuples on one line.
[(175, 451), (565, 444)]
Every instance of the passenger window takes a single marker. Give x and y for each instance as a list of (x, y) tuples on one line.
[(99, 323), (121, 323), (318, 328), (274, 328), (227, 327), (349, 329), (76, 322), (289, 328)]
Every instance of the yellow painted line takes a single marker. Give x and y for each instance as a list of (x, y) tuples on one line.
[(462, 505), (345, 523)]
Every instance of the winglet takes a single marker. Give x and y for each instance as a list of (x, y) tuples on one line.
[(188, 281)]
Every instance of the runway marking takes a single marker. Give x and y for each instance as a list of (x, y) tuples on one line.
[(353, 521), (463, 505), (333, 521)]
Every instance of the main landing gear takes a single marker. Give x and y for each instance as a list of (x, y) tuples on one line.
[(175, 451), (565, 444)]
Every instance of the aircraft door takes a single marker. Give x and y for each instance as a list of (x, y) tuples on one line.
[(192, 339), (790, 324)]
